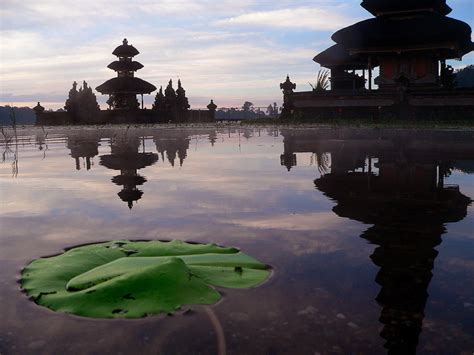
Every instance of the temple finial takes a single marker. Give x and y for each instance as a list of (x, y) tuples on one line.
[(125, 42), (212, 106)]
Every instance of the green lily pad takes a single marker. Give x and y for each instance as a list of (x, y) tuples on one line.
[(124, 279)]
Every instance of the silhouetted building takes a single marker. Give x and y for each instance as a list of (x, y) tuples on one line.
[(82, 107), (409, 41), (38, 109), (123, 89)]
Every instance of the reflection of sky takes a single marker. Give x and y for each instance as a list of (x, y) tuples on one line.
[(226, 186), (235, 193)]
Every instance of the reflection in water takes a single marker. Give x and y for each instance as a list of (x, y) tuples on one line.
[(7, 139), (126, 158), (396, 184), (322, 295), (172, 143), (83, 147)]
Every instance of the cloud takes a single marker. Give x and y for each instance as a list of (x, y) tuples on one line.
[(235, 66), (297, 222), (318, 19), (74, 15), (228, 51)]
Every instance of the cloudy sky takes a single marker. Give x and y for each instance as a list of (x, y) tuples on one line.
[(227, 50)]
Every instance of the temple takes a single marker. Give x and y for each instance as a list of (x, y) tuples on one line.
[(406, 44), (123, 89), (82, 108)]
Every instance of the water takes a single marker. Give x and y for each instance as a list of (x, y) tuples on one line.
[(369, 233)]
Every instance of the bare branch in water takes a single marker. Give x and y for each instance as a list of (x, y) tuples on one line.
[(15, 153)]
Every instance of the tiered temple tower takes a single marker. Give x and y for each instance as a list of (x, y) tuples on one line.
[(409, 39), (123, 89)]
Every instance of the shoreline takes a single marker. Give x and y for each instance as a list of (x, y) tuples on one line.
[(398, 125)]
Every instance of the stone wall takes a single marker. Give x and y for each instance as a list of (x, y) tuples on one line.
[(436, 105), (124, 117)]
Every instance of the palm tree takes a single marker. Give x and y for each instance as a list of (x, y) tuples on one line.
[(323, 81)]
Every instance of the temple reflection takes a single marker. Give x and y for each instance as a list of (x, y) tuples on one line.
[(212, 137), (126, 158), (83, 147), (397, 184), (129, 153), (172, 143)]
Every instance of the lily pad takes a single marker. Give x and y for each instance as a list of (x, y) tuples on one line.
[(125, 279)]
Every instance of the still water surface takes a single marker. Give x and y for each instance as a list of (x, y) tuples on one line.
[(370, 234)]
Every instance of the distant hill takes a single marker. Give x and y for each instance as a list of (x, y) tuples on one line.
[(24, 116)]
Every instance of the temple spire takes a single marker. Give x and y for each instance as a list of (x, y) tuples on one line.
[(123, 89)]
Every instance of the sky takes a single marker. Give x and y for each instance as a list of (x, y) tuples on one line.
[(230, 51)]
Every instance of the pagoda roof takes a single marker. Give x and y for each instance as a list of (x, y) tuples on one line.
[(426, 30), (125, 65), (126, 85), (131, 161), (130, 180), (125, 50), (130, 196), (339, 56), (382, 7), (356, 200)]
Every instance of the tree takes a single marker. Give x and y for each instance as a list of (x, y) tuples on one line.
[(88, 105), (71, 102), (248, 106), (270, 110), (322, 81), (82, 105), (465, 77), (181, 99), (160, 101), (170, 96)]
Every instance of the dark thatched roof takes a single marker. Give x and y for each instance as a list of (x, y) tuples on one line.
[(356, 200), (125, 50), (130, 196), (123, 65), (377, 7), (130, 180), (426, 30), (131, 161), (126, 85), (339, 56)]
